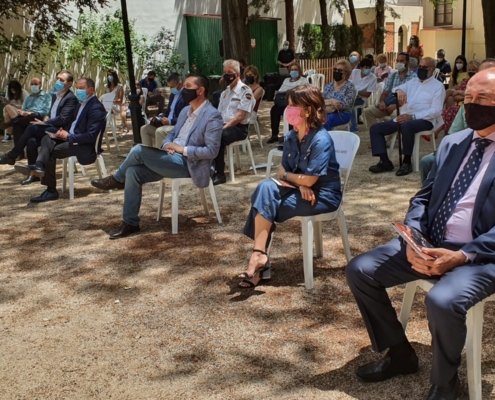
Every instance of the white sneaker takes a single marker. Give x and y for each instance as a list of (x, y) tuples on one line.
[(6, 139)]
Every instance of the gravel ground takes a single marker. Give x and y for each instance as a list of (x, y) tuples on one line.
[(159, 316)]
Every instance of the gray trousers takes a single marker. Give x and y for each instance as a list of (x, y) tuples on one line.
[(447, 303), (426, 165)]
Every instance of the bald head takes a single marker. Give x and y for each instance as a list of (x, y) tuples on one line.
[(486, 65), (481, 88)]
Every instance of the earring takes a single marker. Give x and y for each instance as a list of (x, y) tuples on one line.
[(307, 115)]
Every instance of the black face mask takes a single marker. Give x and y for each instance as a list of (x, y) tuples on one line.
[(151, 79), (250, 79), (479, 117), (422, 74), (189, 95), (337, 76), (471, 74), (229, 78)]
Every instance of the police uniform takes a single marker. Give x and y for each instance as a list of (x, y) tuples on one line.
[(231, 101)]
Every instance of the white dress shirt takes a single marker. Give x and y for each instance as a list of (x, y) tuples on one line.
[(53, 112), (233, 100), (365, 83), (83, 104)]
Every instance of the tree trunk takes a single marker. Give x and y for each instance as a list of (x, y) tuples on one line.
[(352, 13), (380, 26), (488, 13), (235, 30), (323, 12), (289, 24)]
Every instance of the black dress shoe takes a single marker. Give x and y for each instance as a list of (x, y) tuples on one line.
[(107, 183), (219, 179), (389, 367), (6, 159), (406, 169), (273, 139), (381, 167), (449, 392), (124, 230), (45, 196), (30, 179), (30, 170)]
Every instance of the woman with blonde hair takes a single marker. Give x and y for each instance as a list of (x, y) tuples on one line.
[(308, 178)]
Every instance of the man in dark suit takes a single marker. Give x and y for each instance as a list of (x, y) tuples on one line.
[(455, 209), (80, 141), (156, 131), (61, 115)]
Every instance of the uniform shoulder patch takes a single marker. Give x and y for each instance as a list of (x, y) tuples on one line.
[(249, 96), (245, 87)]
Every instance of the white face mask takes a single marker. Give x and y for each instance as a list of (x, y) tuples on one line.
[(439, 60), (400, 66), (459, 66)]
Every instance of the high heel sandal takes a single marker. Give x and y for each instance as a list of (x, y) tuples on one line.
[(245, 276)]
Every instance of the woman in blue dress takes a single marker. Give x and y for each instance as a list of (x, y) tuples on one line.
[(308, 164), (339, 96)]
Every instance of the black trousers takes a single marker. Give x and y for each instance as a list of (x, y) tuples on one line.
[(50, 151), (276, 113), (20, 124), (229, 135), (447, 303), (30, 140)]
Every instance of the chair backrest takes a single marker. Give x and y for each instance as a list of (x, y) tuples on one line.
[(309, 72), (436, 72), (318, 80), (286, 124), (107, 101), (346, 145)]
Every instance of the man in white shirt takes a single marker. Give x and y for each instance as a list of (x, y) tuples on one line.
[(236, 104), (365, 83), (421, 100)]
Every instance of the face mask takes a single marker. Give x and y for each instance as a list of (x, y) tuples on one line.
[(250, 79), (412, 42), (174, 91), (13, 91), (337, 76), (151, 79), (110, 78), (138, 91), (293, 115), (353, 59), (81, 95), (459, 66), (366, 72), (294, 74), (422, 74), (286, 48), (383, 65), (479, 117), (35, 89), (471, 74), (439, 60), (189, 95), (229, 78), (400, 66), (58, 86)]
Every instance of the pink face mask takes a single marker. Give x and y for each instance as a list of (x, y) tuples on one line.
[(293, 115)]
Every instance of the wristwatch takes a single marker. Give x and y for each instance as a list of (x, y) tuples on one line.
[(413, 117), (284, 177)]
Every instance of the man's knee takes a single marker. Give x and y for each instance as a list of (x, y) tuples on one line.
[(358, 268), (444, 302)]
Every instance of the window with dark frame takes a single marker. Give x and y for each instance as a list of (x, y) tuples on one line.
[(443, 13)]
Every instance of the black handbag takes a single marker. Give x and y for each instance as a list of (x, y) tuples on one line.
[(281, 100)]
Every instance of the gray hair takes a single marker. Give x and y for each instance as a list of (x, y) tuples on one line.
[(431, 61), (233, 63), (413, 62)]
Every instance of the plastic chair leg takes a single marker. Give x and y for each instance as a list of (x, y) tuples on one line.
[(230, 152), (307, 239), (416, 153), (64, 175), (114, 133), (248, 143), (392, 144), (257, 129), (473, 350), (102, 169), (71, 178), (160, 200), (203, 201), (175, 207), (269, 165), (407, 301), (83, 170), (237, 157), (214, 201), (318, 238), (343, 234)]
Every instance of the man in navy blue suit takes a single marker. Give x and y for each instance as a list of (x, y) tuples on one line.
[(61, 115), (455, 209), (79, 140)]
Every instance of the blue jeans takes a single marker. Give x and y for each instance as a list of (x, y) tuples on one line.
[(337, 119), (143, 165), (359, 102)]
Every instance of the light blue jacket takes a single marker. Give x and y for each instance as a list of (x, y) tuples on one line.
[(203, 142)]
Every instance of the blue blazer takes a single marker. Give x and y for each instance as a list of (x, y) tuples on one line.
[(90, 124), (66, 111), (181, 103), (428, 200), (203, 142)]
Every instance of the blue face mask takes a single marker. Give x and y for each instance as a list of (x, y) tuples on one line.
[(81, 95), (35, 89), (366, 71), (353, 59), (383, 65), (174, 91), (110, 78), (286, 47), (58, 86), (294, 74)]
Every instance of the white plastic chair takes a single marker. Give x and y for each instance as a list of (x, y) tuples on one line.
[(474, 322), (234, 148), (107, 101), (344, 127), (70, 162), (417, 140), (346, 145), (362, 107), (309, 72), (276, 152), (318, 80), (254, 122), (175, 185)]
